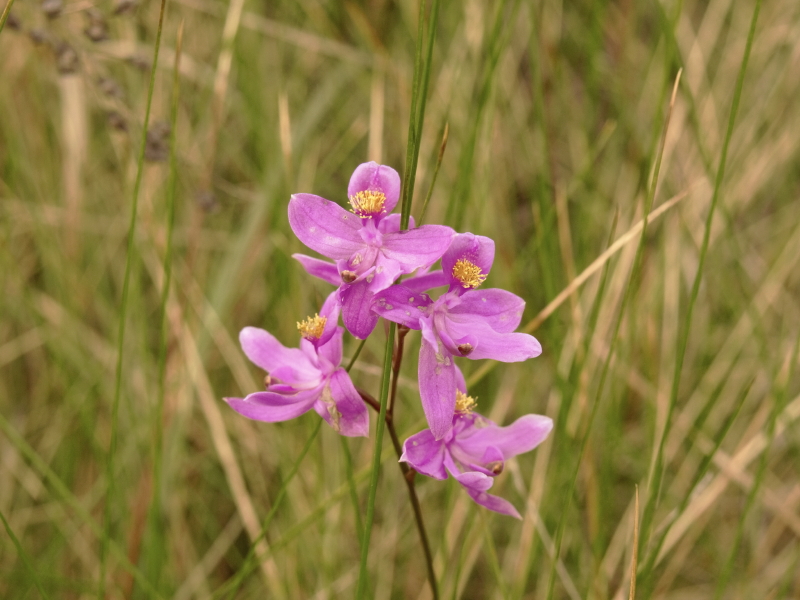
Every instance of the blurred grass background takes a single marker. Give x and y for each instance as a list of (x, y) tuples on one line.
[(555, 114)]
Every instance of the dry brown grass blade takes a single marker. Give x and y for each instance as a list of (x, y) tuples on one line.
[(75, 141), (635, 554), (593, 268), (306, 40), (376, 111), (732, 468)]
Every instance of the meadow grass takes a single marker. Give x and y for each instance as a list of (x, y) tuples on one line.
[(656, 248)]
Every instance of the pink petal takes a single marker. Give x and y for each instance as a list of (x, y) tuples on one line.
[(437, 388), (342, 407), (399, 304), (477, 249), (386, 273), (488, 343), (426, 454), (319, 268), (502, 310), (376, 178), (331, 350), (360, 262), (493, 503), (391, 223), (426, 281), (523, 435), (324, 226), (330, 310), (418, 247), (273, 408), (357, 312), (268, 353), (461, 383)]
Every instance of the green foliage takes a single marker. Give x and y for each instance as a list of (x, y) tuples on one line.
[(556, 113)]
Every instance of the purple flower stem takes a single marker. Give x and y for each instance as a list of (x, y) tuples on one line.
[(408, 476), (397, 360)]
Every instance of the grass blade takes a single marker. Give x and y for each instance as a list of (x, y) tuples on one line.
[(24, 556), (123, 311), (656, 477)]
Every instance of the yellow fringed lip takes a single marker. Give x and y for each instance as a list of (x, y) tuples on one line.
[(312, 327), (464, 404), (468, 273), (368, 203)]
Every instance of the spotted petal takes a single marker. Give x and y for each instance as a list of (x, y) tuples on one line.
[(342, 407), (401, 305), (357, 312)]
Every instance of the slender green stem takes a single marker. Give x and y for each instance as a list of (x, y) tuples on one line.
[(155, 554), (376, 462), (355, 356), (408, 181), (655, 480), (4, 16), (402, 331), (435, 173), (24, 556), (422, 102), (124, 311)]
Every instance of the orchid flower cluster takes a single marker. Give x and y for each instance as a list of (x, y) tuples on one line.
[(370, 253)]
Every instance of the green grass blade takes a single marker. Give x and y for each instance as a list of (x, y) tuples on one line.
[(123, 311), (632, 279), (755, 488), (63, 492), (439, 159), (6, 12), (156, 543), (24, 556), (649, 566), (655, 480)]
